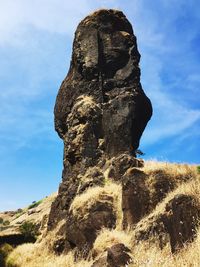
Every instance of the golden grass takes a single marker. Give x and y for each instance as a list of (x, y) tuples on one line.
[(107, 238), (84, 104), (170, 169), (82, 203), (191, 188), (152, 256), (33, 255)]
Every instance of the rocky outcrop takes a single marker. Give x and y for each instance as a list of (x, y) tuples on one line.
[(181, 220), (135, 197), (101, 110), (120, 164), (176, 224), (81, 230)]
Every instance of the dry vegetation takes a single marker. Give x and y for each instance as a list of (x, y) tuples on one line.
[(186, 179), (36, 212)]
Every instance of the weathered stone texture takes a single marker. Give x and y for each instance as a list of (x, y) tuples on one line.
[(101, 109)]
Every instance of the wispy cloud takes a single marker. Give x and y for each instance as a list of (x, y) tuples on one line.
[(49, 15)]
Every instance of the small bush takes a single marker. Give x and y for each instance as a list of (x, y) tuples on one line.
[(6, 223), (4, 252), (19, 210), (29, 230), (198, 169), (35, 204), (1, 220), (19, 213)]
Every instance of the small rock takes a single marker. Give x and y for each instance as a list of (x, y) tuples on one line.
[(117, 256)]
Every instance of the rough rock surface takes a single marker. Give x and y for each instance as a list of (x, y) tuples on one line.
[(82, 230), (135, 197), (101, 110), (119, 165), (117, 256), (176, 224), (181, 220), (100, 113)]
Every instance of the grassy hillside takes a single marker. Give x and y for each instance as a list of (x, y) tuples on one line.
[(182, 178)]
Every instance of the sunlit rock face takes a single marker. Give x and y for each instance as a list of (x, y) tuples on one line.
[(101, 110)]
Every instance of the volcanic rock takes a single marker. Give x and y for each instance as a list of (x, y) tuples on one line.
[(117, 256), (176, 224), (119, 165), (101, 109), (181, 220), (135, 197)]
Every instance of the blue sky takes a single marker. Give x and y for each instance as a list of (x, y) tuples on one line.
[(35, 49)]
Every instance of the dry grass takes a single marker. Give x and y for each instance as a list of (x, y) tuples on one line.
[(33, 255), (107, 238), (172, 170), (82, 203), (152, 256), (84, 104), (41, 254), (191, 188)]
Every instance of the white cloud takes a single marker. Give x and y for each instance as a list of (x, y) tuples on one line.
[(16, 16), (59, 16), (170, 117)]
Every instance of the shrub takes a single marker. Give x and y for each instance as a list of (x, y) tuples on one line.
[(29, 230), (6, 223), (35, 204), (19, 210), (1, 220), (198, 169), (4, 252)]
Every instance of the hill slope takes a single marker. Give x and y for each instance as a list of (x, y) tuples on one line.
[(149, 241)]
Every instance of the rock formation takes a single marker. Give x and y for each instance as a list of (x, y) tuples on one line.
[(101, 110)]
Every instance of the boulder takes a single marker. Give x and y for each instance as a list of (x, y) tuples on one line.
[(117, 256), (181, 220), (82, 228), (93, 177), (135, 197), (120, 164), (176, 224)]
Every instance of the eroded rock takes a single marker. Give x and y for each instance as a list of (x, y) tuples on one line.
[(101, 112), (119, 165), (117, 256), (81, 229), (135, 197), (181, 220), (176, 224)]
